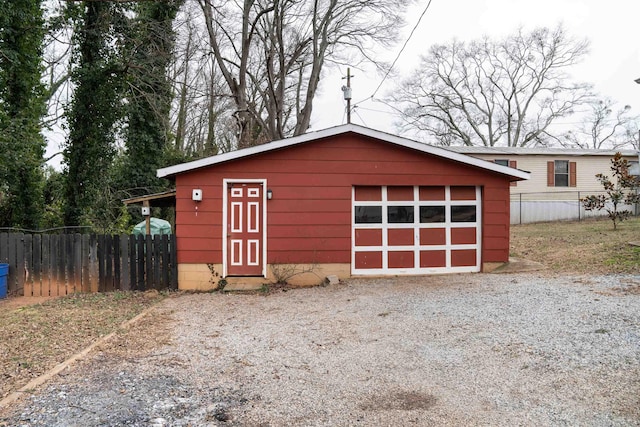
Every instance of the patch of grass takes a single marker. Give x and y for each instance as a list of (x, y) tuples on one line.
[(591, 246), (626, 259), (35, 338)]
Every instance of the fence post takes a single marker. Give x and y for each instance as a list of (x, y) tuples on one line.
[(520, 209), (579, 211)]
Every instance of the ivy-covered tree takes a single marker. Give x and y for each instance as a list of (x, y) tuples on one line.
[(96, 105), (622, 190), (150, 42), (22, 106), (53, 198)]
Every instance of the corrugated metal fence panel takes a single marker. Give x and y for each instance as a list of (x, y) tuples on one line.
[(560, 206)]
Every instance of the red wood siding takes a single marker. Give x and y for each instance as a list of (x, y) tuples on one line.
[(309, 217), (495, 223)]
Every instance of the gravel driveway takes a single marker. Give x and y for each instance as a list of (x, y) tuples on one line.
[(518, 349)]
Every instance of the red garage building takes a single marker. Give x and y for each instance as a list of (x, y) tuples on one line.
[(345, 201)]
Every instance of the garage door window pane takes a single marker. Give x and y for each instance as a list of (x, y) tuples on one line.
[(463, 214), (431, 214), (368, 215), (400, 214)]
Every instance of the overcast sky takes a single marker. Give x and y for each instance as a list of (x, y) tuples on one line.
[(613, 28)]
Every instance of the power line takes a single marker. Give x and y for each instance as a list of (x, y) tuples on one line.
[(373, 110), (355, 110), (415, 27), (393, 107)]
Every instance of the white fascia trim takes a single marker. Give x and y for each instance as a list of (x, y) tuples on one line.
[(535, 151), (337, 130)]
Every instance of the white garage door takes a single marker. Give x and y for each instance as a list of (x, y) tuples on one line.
[(415, 230)]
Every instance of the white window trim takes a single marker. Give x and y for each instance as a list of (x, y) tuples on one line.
[(416, 225), (555, 174)]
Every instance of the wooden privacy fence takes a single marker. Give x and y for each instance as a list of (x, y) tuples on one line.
[(61, 264)]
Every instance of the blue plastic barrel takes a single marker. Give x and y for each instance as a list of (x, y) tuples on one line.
[(4, 272)]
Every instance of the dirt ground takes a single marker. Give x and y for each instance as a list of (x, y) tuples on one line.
[(17, 302), (39, 333)]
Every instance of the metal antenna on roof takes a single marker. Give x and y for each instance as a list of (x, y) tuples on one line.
[(346, 90)]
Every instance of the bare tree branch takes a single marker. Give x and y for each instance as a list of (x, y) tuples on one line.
[(488, 92)]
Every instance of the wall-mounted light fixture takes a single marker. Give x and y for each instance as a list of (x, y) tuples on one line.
[(269, 194)]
